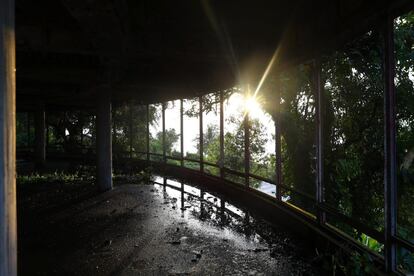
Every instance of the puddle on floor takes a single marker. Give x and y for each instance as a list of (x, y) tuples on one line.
[(227, 221)]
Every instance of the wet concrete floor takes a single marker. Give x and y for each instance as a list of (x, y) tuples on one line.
[(161, 228)]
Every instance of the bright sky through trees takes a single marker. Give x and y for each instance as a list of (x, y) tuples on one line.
[(237, 103)]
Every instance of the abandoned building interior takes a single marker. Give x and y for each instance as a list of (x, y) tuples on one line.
[(206, 137)]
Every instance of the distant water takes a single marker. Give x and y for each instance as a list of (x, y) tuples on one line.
[(270, 189), (267, 188)]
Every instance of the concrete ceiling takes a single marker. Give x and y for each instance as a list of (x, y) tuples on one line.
[(69, 51)]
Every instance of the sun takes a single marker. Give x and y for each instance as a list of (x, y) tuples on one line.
[(251, 106)]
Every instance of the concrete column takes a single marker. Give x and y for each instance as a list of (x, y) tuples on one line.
[(8, 240), (40, 137), (104, 142)]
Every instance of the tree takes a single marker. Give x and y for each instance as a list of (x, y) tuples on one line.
[(171, 137)]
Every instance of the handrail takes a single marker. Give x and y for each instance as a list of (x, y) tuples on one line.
[(378, 235), (156, 154), (211, 164), (191, 160), (403, 242)]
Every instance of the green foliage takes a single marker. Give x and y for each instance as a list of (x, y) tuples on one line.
[(211, 144), (192, 165), (171, 137), (297, 130), (69, 131), (404, 49), (129, 127), (340, 262), (405, 260), (24, 130), (354, 123), (52, 178)]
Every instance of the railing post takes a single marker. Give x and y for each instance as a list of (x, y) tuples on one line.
[(148, 132), (221, 134), (320, 111), (182, 131), (278, 147), (390, 175), (164, 157), (200, 101), (246, 125)]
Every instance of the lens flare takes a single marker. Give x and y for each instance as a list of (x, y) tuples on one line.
[(252, 106), (267, 71)]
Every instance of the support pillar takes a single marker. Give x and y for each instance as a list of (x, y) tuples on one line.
[(40, 138), (8, 230), (104, 142)]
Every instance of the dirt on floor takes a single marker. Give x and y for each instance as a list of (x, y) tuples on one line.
[(170, 228)]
